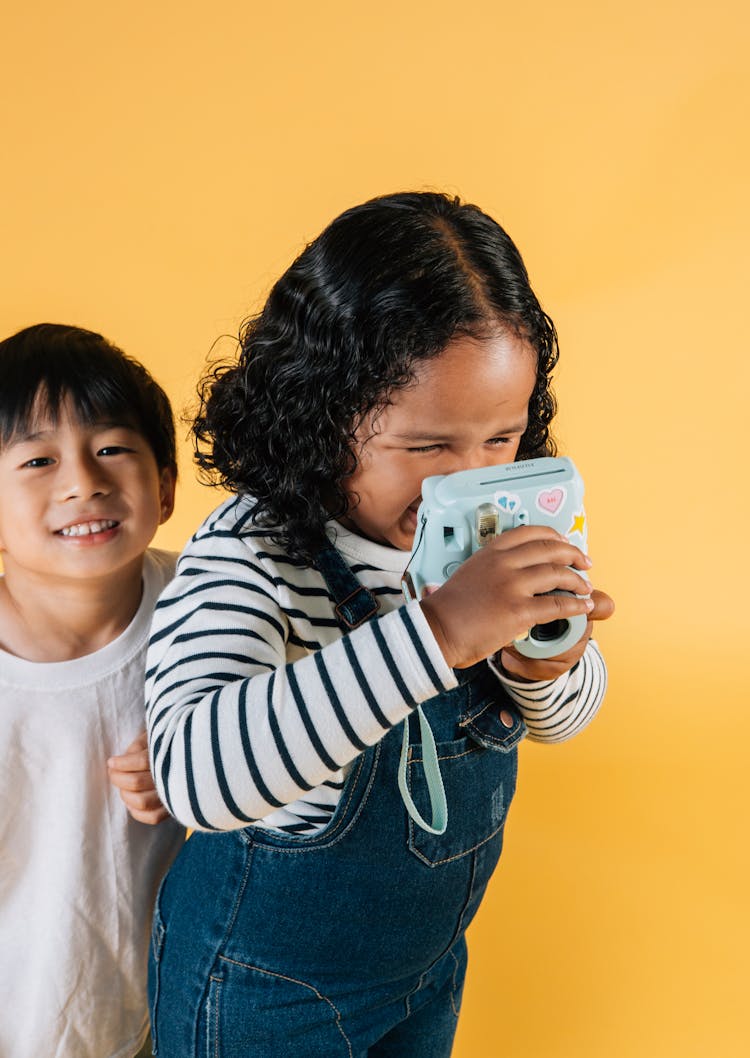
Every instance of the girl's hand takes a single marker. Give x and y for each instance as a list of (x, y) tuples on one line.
[(131, 774), (519, 667), (499, 593)]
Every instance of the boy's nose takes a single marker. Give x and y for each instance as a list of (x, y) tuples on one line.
[(85, 479)]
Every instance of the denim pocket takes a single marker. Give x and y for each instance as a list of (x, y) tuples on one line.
[(494, 723), (479, 783)]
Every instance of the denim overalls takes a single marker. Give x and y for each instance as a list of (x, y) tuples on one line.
[(267, 945)]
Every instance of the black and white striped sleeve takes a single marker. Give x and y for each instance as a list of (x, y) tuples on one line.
[(556, 710), (235, 729)]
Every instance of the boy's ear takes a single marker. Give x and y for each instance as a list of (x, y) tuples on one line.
[(167, 486)]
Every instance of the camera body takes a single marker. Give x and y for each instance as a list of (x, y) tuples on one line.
[(462, 512)]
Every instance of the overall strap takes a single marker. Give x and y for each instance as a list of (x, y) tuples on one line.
[(353, 605)]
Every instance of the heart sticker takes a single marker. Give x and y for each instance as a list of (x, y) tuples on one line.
[(551, 500)]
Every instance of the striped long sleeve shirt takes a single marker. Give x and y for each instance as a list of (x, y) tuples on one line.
[(256, 702)]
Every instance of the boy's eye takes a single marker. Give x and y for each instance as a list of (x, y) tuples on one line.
[(499, 441), (426, 448), (38, 461), (113, 450)]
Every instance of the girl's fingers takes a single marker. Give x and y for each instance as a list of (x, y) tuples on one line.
[(521, 551), (541, 579), (546, 608), (604, 606)]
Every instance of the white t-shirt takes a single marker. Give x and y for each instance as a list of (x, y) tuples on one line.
[(78, 875)]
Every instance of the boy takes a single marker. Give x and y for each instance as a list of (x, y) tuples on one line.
[(87, 474)]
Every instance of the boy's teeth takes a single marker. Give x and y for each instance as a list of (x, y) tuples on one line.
[(86, 528)]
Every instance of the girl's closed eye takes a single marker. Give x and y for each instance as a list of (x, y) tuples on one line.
[(426, 448), (436, 447)]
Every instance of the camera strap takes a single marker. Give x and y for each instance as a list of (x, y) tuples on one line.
[(433, 778)]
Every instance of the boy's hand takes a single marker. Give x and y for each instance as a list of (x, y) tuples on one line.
[(517, 666), (131, 774), (500, 592)]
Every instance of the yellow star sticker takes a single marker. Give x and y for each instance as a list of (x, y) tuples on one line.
[(579, 521)]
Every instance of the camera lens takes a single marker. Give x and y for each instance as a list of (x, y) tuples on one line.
[(546, 633)]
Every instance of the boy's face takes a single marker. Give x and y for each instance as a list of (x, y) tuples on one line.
[(468, 408), (79, 501)]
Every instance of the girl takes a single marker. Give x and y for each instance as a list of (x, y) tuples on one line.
[(405, 341)]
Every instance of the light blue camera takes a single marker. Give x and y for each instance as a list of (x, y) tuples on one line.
[(462, 512)]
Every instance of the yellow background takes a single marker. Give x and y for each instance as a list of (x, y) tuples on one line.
[(163, 162)]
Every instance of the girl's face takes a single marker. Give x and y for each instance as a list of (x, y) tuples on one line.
[(467, 408)]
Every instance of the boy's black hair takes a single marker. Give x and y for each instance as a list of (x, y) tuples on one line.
[(51, 363), (386, 285)]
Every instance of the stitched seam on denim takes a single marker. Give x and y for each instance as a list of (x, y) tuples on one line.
[(295, 981), (455, 986), (515, 733), (451, 859), (460, 928), (468, 714), (158, 921), (433, 964), (218, 982), (454, 756), (155, 1007), (158, 918), (336, 826), (312, 847), (231, 920), (238, 897), (416, 988), (157, 935)]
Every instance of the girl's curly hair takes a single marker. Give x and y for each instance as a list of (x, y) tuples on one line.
[(387, 284)]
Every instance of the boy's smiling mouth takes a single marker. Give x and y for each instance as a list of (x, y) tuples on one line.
[(87, 528)]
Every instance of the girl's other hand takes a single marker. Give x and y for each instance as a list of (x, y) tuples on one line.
[(500, 592), (131, 774), (517, 666)]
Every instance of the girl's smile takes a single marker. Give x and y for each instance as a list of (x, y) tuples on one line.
[(467, 408)]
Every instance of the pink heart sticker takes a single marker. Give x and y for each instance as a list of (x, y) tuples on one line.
[(551, 500)]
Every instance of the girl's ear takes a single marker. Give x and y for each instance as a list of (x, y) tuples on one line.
[(167, 486)]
